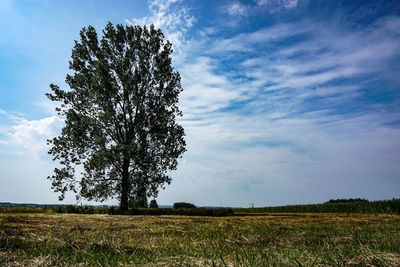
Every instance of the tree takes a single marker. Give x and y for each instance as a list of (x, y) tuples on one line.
[(153, 204), (183, 205), (138, 202), (120, 116)]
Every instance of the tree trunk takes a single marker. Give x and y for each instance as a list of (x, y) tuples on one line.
[(141, 192), (125, 186), (142, 199)]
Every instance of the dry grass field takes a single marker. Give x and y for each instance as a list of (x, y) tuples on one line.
[(50, 239)]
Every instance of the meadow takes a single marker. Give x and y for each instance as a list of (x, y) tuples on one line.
[(42, 237)]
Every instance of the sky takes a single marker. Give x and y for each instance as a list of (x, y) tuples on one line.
[(284, 101)]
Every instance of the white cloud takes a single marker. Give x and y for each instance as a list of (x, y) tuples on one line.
[(275, 5), (236, 9), (30, 136), (173, 19), (326, 55), (205, 91), (245, 42)]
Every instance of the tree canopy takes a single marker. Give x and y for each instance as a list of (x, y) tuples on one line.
[(120, 116)]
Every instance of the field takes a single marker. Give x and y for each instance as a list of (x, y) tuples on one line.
[(39, 239), (335, 206)]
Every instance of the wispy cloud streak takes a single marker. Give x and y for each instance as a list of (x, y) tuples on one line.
[(174, 20)]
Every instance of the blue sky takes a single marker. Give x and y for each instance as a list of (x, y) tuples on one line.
[(284, 101)]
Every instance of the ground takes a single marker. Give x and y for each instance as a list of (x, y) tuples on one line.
[(29, 239)]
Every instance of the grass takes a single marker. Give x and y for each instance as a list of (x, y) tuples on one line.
[(40, 239)]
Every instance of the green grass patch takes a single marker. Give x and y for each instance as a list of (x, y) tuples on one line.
[(170, 240)]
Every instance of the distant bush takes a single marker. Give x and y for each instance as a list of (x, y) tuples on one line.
[(183, 205), (83, 209), (153, 204)]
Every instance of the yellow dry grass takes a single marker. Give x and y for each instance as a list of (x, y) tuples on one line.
[(282, 239)]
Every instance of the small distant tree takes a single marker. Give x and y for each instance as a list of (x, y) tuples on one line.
[(153, 204), (183, 205), (120, 116)]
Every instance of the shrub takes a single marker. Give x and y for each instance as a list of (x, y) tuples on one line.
[(81, 209), (138, 202), (183, 205), (153, 204)]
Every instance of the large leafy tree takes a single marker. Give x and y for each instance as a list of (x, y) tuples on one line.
[(120, 116)]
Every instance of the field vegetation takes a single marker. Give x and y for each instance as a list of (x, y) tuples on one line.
[(49, 238), (336, 206)]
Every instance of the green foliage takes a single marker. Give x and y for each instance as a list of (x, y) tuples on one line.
[(138, 202), (183, 205), (153, 204), (188, 212), (144, 211), (345, 200), (120, 116), (380, 206)]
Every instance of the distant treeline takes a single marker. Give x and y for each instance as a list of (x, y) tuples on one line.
[(145, 211), (26, 209), (334, 206), (82, 209), (345, 200)]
